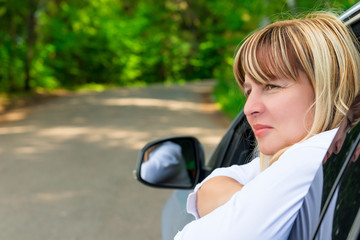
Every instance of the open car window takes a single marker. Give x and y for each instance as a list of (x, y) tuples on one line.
[(236, 147)]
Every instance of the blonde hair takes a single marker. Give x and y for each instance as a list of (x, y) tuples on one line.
[(319, 45)]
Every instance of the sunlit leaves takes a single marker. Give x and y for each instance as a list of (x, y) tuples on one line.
[(129, 42)]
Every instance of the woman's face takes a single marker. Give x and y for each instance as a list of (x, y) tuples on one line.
[(278, 112)]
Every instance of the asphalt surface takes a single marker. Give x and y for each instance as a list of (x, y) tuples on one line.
[(66, 165)]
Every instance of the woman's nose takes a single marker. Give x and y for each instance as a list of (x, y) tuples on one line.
[(253, 105)]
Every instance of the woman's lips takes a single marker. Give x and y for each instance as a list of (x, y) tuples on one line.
[(260, 129)]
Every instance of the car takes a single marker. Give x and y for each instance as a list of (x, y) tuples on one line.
[(340, 176)]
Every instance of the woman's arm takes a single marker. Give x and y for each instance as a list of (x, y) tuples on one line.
[(212, 195), (216, 192)]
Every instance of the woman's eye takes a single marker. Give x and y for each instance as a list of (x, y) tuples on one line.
[(270, 86), (247, 92)]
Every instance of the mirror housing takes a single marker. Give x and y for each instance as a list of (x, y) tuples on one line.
[(173, 162)]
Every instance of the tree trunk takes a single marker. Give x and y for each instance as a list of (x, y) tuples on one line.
[(10, 69), (30, 41)]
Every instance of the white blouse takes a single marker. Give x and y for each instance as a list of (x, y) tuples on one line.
[(267, 205)]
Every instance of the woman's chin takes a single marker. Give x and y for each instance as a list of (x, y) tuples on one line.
[(267, 151)]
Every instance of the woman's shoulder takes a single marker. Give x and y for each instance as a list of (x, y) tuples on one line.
[(320, 140), (313, 146), (307, 153)]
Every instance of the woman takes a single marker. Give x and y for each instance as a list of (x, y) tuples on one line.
[(300, 77)]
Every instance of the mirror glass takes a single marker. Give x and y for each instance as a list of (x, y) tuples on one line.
[(169, 163)]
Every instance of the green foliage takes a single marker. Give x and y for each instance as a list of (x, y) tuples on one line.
[(227, 94), (229, 97), (57, 43)]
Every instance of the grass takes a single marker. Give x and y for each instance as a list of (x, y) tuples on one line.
[(227, 96), (18, 99)]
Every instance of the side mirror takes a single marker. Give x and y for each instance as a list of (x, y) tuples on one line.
[(174, 162)]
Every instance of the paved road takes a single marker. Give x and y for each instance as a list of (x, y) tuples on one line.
[(66, 166)]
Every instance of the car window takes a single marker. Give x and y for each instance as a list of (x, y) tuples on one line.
[(341, 190), (241, 147), (348, 199), (335, 165)]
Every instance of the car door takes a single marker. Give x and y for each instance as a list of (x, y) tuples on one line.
[(236, 147)]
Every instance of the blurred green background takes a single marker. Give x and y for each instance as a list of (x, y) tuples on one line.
[(53, 44)]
